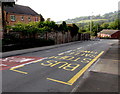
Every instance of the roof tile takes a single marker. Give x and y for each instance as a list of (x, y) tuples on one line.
[(19, 9)]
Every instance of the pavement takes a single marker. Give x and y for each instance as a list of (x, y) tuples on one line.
[(104, 76), (36, 49)]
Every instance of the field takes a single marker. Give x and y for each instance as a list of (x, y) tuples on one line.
[(94, 20)]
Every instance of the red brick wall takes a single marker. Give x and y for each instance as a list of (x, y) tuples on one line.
[(18, 18), (116, 35), (1, 27), (0, 18)]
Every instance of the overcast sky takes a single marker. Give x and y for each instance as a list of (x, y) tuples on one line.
[(66, 9)]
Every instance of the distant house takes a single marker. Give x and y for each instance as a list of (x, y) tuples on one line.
[(19, 13), (106, 33)]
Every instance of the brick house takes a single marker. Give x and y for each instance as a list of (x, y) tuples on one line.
[(2, 4), (19, 13), (106, 33)]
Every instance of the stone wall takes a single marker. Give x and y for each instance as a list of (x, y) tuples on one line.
[(58, 36)]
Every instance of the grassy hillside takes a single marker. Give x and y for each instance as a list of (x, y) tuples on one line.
[(94, 20), (108, 17)]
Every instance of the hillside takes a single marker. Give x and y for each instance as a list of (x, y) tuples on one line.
[(108, 17)]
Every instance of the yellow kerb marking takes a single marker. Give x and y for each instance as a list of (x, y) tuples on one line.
[(14, 69), (59, 81), (74, 78)]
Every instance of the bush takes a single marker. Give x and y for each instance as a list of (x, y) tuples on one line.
[(17, 44), (73, 30)]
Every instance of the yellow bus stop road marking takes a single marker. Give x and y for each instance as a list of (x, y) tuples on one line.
[(75, 77), (22, 65), (59, 81), (14, 69)]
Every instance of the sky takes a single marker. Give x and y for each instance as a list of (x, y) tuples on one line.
[(60, 10)]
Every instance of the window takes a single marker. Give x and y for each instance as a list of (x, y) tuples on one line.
[(12, 17), (29, 19), (22, 18), (36, 19)]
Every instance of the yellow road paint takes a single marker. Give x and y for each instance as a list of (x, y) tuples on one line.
[(59, 81), (19, 66), (74, 78), (77, 59), (70, 67), (64, 63), (14, 69)]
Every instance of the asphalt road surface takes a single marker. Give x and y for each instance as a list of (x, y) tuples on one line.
[(54, 70)]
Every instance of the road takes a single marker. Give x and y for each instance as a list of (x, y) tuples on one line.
[(54, 70)]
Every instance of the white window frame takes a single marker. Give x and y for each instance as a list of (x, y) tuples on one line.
[(12, 18), (36, 19)]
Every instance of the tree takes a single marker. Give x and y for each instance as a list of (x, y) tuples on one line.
[(74, 30), (48, 26), (48, 19), (96, 29), (63, 28), (41, 18), (82, 30), (105, 25), (115, 24)]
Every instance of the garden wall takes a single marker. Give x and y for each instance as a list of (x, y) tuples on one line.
[(58, 37)]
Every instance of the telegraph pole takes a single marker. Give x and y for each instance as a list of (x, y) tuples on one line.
[(91, 23)]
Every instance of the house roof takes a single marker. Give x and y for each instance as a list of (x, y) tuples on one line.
[(19, 9), (7, 1), (107, 31)]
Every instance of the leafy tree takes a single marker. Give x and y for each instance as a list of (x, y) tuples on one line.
[(115, 24), (48, 26), (63, 27), (74, 30), (41, 18), (32, 29), (105, 25), (96, 29)]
